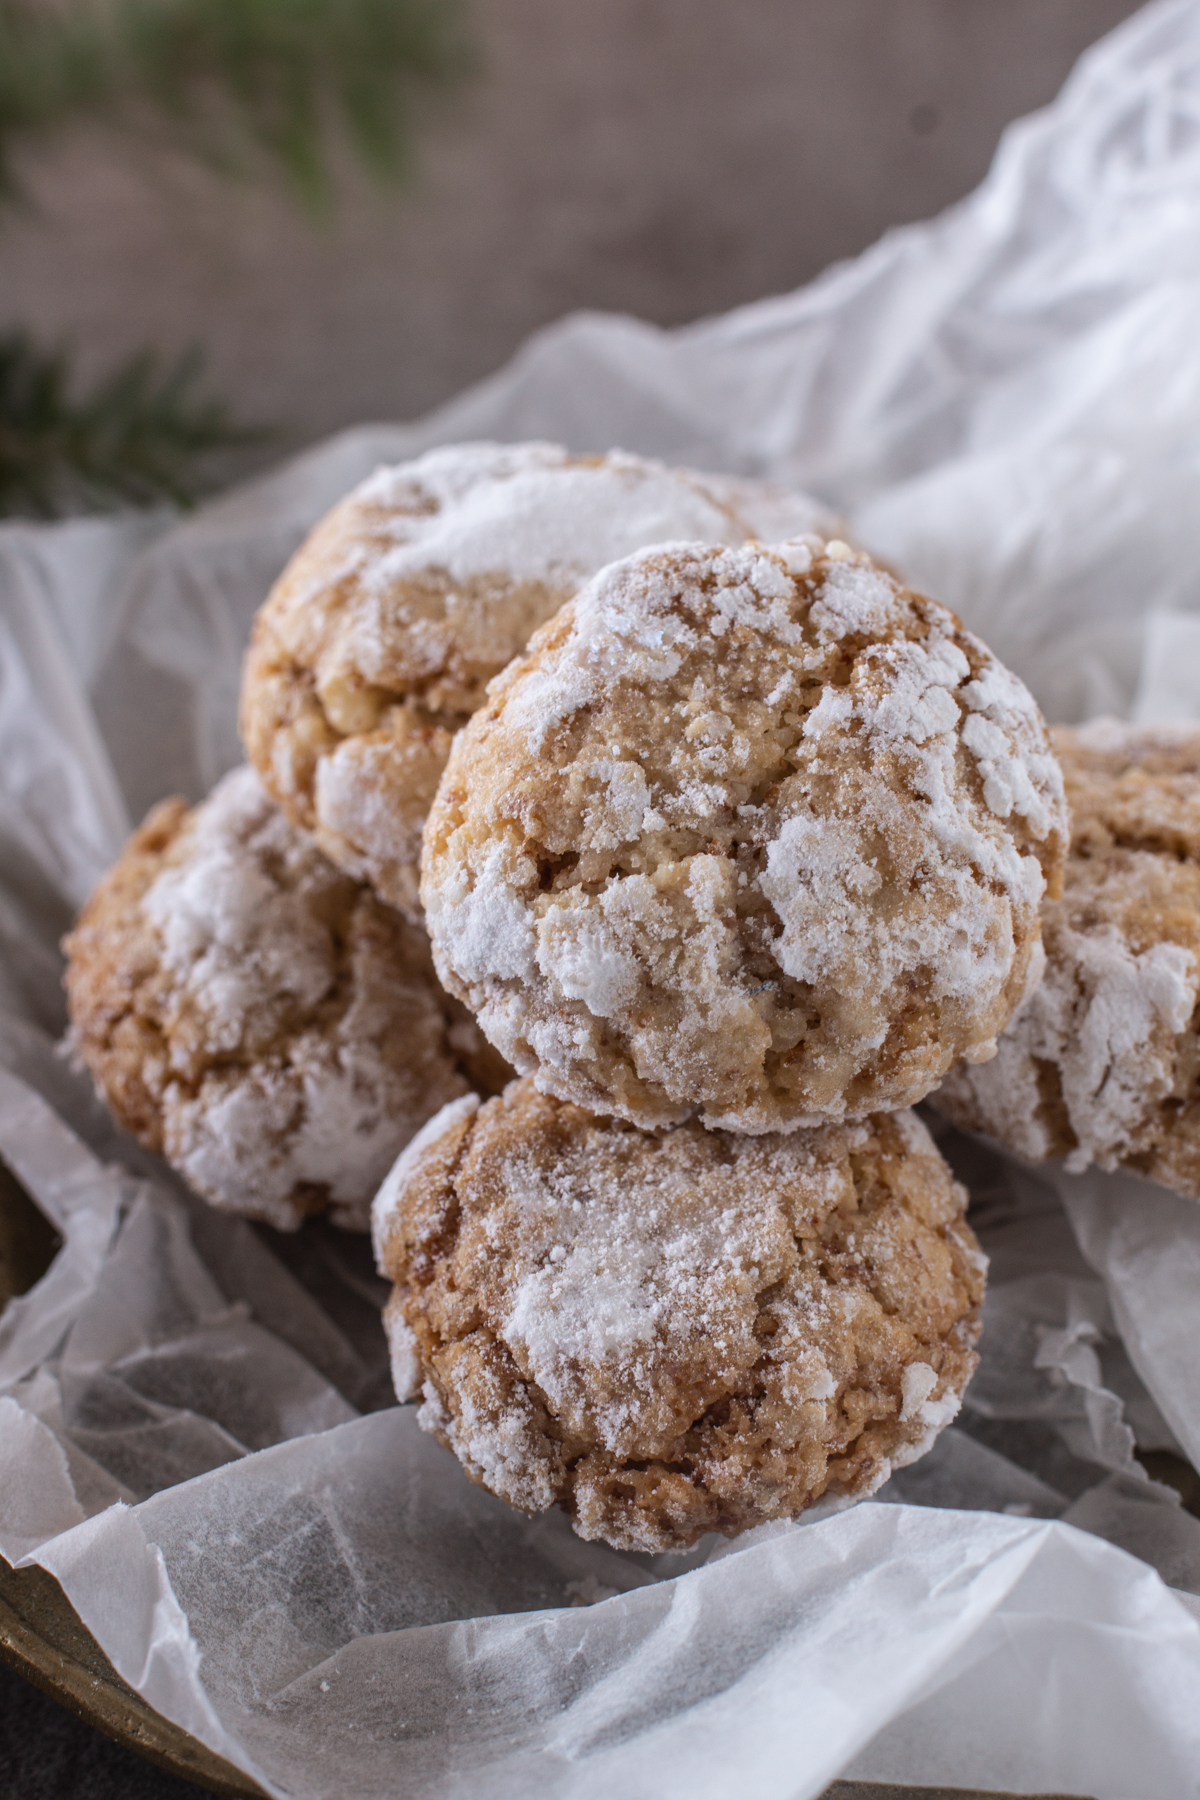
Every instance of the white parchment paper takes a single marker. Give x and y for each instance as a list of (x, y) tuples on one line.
[(195, 1428)]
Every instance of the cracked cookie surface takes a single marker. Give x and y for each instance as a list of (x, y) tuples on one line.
[(254, 1015), (753, 834), (678, 1331), (1102, 1063), (380, 637)]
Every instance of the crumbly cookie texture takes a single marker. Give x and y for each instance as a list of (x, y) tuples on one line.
[(680, 1331), (254, 1015), (379, 639), (1102, 1063), (754, 834)]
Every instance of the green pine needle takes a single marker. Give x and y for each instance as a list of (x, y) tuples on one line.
[(237, 82), (246, 85), (141, 437)]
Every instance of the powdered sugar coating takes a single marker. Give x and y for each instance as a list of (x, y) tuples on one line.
[(680, 1331), (379, 639), (1100, 1065), (756, 834), (255, 1015)]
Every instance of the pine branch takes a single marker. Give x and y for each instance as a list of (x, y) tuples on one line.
[(243, 84), (238, 82), (142, 436)]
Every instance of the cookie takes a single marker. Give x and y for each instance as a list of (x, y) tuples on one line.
[(379, 639), (752, 834), (254, 1015), (1102, 1064), (680, 1331)]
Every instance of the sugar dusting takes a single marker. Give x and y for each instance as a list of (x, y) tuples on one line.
[(381, 635), (534, 512), (1107, 1018), (1099, 1063), (885, 867), (621, 1282), (284, 1074), (678, 1329), (234, 919), (385, 1205)]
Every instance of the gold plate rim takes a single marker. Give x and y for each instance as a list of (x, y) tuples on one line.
[(43, 1639)]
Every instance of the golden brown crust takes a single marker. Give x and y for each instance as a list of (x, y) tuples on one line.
[(757, 834), (378, 640), (115, 987), (255, 1016), (1102, 1063), (1131, 788), (681, 1331)]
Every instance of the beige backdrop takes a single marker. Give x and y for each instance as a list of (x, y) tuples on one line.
[(669, 158)]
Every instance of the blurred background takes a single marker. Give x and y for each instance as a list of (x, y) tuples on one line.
[(351, 208)]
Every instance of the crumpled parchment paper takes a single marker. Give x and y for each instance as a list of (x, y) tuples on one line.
[(195, 1428)]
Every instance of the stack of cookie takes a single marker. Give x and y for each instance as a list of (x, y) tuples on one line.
[(738, 858), (742, 855), (251, 985)]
